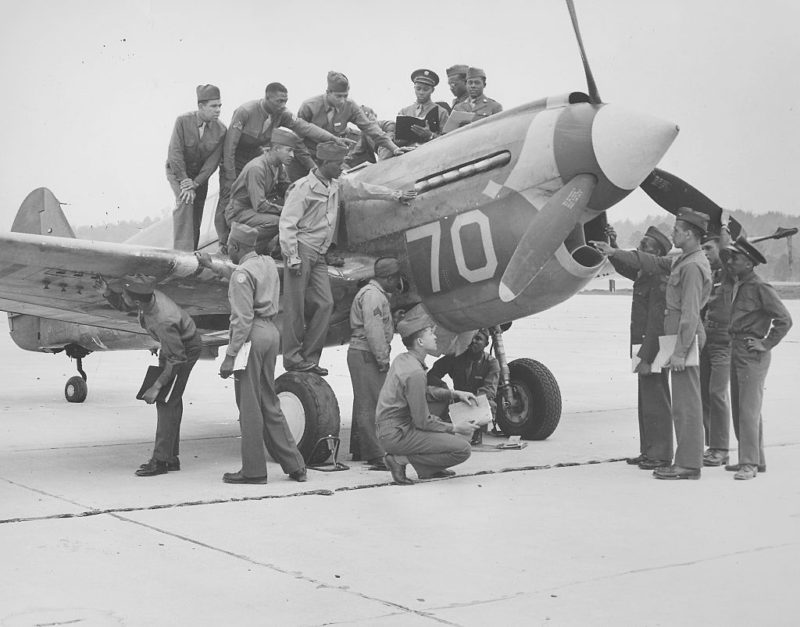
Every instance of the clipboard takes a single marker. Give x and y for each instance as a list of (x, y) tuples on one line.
[(150, 377)]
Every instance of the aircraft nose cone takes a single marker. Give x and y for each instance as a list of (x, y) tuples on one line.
[(628, 145)]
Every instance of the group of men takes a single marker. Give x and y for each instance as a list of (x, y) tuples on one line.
[(719, 322), (266, 147)]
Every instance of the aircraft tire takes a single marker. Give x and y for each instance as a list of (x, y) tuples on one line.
[(311, 409), (75, 390), (536, 410)]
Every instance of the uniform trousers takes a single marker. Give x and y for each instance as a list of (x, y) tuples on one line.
[(367, 381), (186, 217), (655, 417), (260, 416), (223, 229), (307, 308), (265, 223), (748, 372), (170, 412), (427, 451), (687, 416), (715, 373)]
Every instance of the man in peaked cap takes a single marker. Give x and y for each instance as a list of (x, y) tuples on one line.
[(308, 228), (424, 108), (688, 288), (405, 426), (759, 321), (332, 111), (457, 80), (257, 195), (195, 151), (253, 292), (647, 324), (479, 104), (372, 328)]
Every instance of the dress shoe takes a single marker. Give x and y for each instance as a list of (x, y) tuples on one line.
[(633, 461), (745, 472), (238, 477), (397, 469), (300, 366), (317, 369), (715, 457), (172, 465), (652, 464), (441, 474), (735, 468), (676, 472), (152, 468), (300, 475), (377, 463)]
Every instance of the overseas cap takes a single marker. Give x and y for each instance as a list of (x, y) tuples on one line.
[(386, 267), (207, 92), (331, 151), (139, 289), (337, 82), (695, 218), (243, 234), (457, 70), (427, 77), (741, 245), (662, 240), (415, 320), (284, 137), (476, 72)]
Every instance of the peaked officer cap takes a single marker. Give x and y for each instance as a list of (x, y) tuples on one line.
[(415, 320), (337, 82), (457, 70), (331, 151), (662, 240), (284, 137), (695, 218), (139, 289), (207, 92), (386, 267), (741, 245), (243, 234), (476, 72), (427, 77)]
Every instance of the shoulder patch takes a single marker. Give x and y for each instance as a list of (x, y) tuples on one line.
[(240, 277), (238, 125)]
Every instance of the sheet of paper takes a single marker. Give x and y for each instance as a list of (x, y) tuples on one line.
[(240, 363), (666, 346), (458, 119), (463, 412), (635, 359)]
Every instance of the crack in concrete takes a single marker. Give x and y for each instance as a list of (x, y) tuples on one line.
[(70, 447)]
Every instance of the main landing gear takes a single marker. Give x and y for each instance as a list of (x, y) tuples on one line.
[(76, 389), (528, 396)]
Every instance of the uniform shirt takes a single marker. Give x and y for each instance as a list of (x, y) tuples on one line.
[(251, 129), (647, 308), (432, 113), (253, 292), (403, 398), (258, 188), (717, 313), (758, 312), (371, 322), (317, 111), (311, 211), (479, 376), (481, 106), (367, 150), (459, 100), (192, 156), (688, 288)]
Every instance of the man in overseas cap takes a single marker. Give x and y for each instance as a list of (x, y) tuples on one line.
[(477, 103), (258, 193), (251, 130), (332, 111), (308, 228), (372, 328), (405, 426), (759, 320), (647, 324), (688, 289), (424, 108), (253, 292), (457, 80), (195, 151)]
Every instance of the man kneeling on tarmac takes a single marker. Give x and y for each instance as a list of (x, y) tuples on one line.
[(406, 429)]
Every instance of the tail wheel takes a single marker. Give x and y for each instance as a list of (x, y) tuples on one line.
[(536, 409), (311, 410), (76, 390)]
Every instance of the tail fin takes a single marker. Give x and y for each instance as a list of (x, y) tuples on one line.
[(40, 213)]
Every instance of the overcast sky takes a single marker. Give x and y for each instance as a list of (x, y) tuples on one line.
[(91, 89)]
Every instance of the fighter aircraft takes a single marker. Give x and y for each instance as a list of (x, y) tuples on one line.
[(498, 231)]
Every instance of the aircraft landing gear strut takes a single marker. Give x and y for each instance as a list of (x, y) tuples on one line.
[(75, 390)]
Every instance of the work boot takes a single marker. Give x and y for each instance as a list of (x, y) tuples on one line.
[(172, 465), (633, 461), (397, 469), (676, 473), (652, 464), (745, 472), (152, 468), (299, 475), (238, 477), (715, 457), (477, 437), (735, 468)]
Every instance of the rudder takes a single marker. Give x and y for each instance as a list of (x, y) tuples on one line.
[(40, 213)]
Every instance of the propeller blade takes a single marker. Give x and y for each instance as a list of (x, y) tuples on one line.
[(780, 233), (594, 95), (546, 233), (671, 193)]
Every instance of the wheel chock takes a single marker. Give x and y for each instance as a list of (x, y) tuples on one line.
[(332, 442)]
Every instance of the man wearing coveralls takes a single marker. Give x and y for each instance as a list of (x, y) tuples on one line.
[(195, 151), (372, 328), (759, 320), (688, 288), (406, 428), (253, 292), (308, 228)]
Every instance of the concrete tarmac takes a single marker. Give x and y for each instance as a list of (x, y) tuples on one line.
[(560, 533)]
